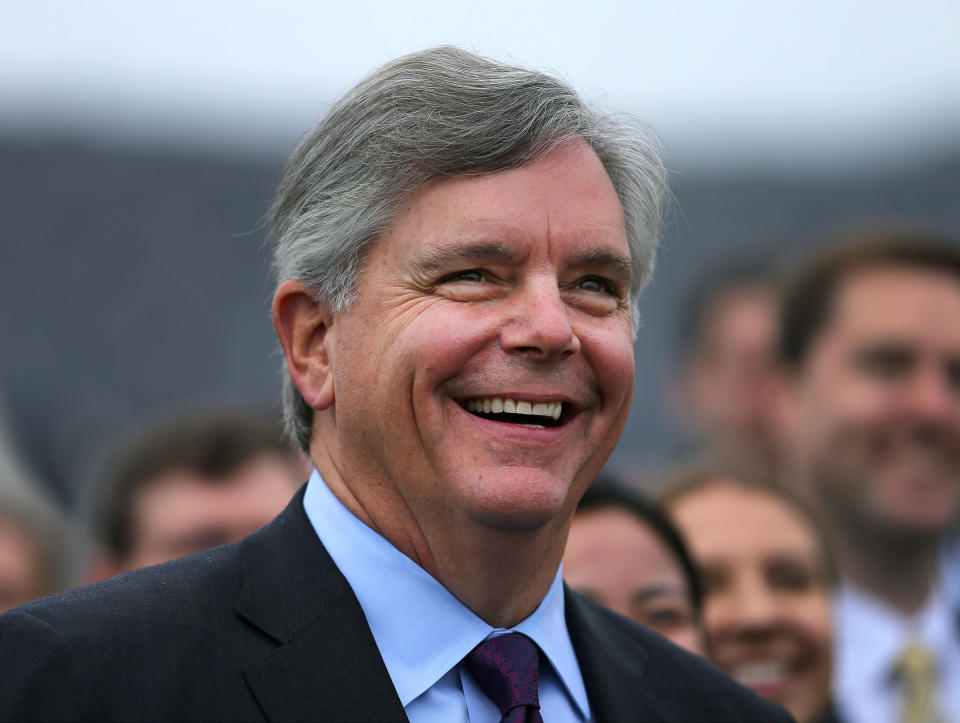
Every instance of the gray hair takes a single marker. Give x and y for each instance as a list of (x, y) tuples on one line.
[(438, 113)]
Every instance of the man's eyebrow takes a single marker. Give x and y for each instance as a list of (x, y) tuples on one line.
[(441, 256), (616, 263)]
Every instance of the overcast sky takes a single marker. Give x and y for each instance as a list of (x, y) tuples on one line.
[(779, 78)]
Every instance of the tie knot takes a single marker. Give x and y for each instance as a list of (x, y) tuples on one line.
[(916, 671), (506, 669), (916, 662)]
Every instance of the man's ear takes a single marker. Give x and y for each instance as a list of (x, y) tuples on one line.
[(303, 325)]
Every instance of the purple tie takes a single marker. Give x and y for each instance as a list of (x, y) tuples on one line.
[(505, 668)]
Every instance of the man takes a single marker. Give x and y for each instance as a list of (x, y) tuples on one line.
[(189, 483), (30, 548), (726, 383), (457, 277), (871, 340)]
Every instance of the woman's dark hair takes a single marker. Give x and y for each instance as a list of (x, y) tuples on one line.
[(607, 493)]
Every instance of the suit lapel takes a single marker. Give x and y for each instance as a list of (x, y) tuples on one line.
[(610, 673), (327, 666)]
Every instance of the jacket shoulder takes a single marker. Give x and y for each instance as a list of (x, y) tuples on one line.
[(142, 598), (109, 650), (41, 676)]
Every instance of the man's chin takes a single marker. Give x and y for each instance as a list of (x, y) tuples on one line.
[(919, 510), (521, 509), (514, 520)]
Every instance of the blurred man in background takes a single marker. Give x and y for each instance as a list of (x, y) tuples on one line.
[(625, 553), (30, 555), (870, 339), (190, 483), (724, 388), (33, 560)]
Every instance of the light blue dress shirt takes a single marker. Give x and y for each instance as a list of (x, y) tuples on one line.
[(423, 631), (868, 638)]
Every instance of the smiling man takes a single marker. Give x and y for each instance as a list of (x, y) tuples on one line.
[(459, 246), (870, 338)]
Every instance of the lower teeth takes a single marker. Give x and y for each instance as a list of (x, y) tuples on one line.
[(533, 426)]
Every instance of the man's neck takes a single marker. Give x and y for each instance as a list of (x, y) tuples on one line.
[(900, 574), (501, 575)]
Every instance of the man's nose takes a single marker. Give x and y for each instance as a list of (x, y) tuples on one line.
[(539, 326), (932, 396)]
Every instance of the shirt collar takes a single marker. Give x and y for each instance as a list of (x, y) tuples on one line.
[(421, 629), (863, 620)]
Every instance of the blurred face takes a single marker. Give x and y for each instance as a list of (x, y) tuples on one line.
[(767, 602), (729, 384), (485, 370), (618, 561), (877, 404), (180, 513), (22, 575)]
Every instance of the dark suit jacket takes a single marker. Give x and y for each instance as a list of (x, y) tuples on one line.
[(269, 629)]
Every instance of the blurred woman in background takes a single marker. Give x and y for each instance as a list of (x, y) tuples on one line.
[(767, 582)]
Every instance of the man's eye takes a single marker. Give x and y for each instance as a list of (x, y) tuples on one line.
[(467, 275), (596, 284), (886, 363)]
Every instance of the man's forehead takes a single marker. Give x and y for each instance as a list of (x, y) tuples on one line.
[(883, 294), (910, 306), (437, 256), (574, 166), (565, 195)]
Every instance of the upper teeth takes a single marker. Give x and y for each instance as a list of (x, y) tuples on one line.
[(497, 405), (761, 672)]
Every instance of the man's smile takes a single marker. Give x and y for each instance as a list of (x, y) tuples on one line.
[(512, 410)]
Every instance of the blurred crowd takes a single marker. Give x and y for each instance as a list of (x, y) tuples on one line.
[(819, 496), (806, 540), (180, 485)]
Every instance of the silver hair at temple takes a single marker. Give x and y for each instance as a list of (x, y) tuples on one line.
[(438, 113)]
